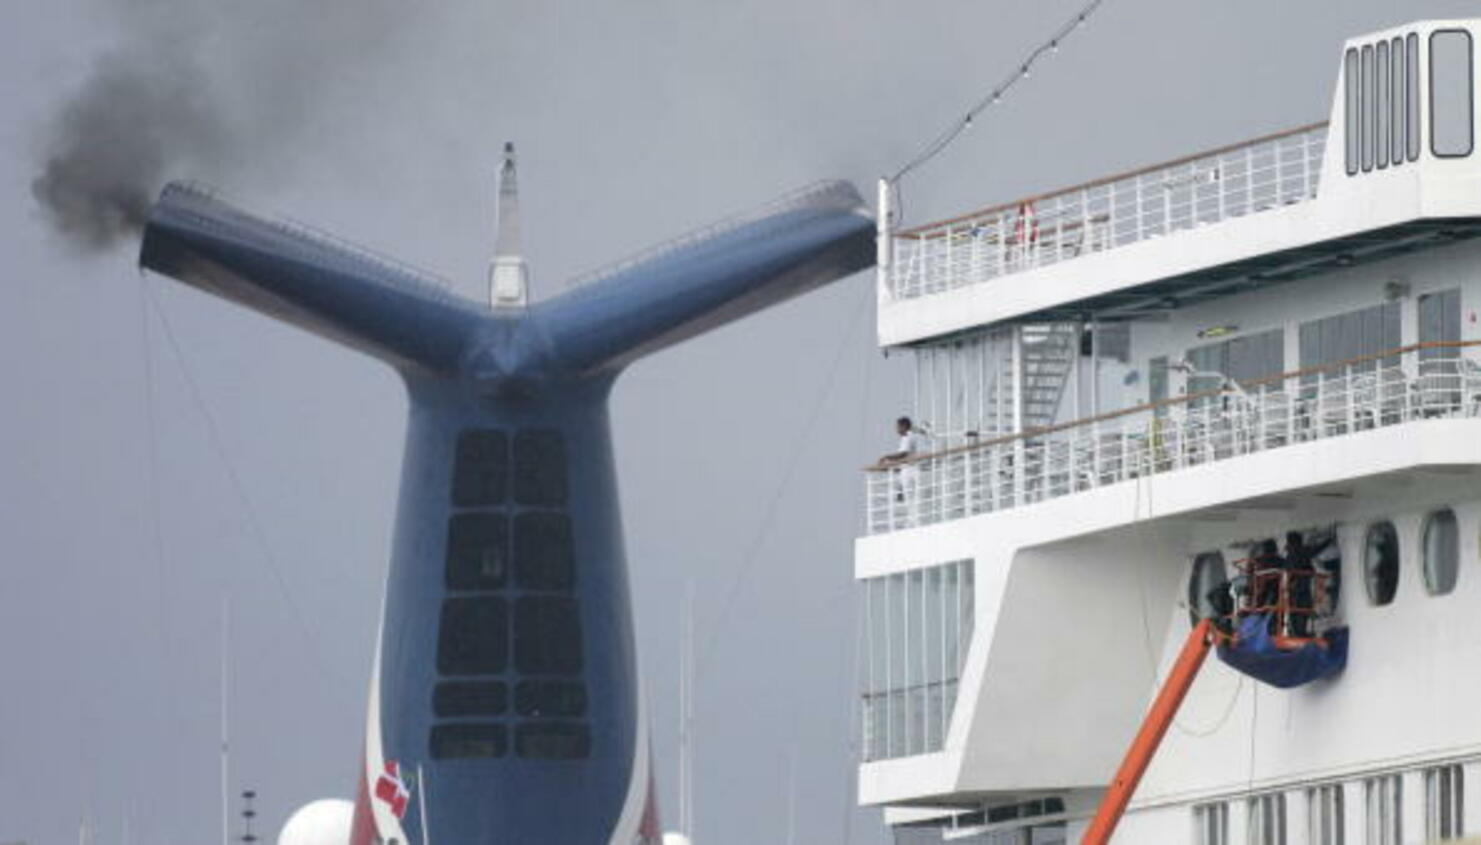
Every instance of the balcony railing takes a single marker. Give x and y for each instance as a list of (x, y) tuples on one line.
[(1423, 381), (824, 194), (322, 246), (1266, 173)]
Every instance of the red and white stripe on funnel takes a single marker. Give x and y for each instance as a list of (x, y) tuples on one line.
[(387, 796), (385, 811)]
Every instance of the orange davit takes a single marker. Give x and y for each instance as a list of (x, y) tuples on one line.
[(1154, 726)]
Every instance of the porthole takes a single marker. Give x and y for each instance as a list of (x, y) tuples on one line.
[(1208, 572), (1381, 562), (1441, 552)]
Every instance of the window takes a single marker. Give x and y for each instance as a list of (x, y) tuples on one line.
[(547, 636), (1211, 824), (1381, 562), (1452, 113), (1243, 359), (1208, 572), (1411, 96), (481, 469), (1382, 109), (1366, 109), (1353, 109), (1396, 101), (1330, 341), (550, 698), (1354, 334), (470, 698), (543, 559), (1383, 810), (1157, 382), (1441, 552), (1439, 322), (1267, 824), (552, 741), (540, 468), (460, 741), (477, 551), (1439, 366), (917, 626), (473, 636), (1444, 803), (1325, 815)]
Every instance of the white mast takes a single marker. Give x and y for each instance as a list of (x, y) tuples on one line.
[(792, 796), (225, 747), (686, 715), (509, 278)]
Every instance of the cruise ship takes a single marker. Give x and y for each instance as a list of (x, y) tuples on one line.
[(1228, 406)]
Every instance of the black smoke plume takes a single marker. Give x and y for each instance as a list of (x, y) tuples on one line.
[(136, 119), (202, 90)]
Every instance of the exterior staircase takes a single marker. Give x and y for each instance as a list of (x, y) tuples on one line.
[(1049, 354)]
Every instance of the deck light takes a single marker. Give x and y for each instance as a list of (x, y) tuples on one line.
[(1217, 331)]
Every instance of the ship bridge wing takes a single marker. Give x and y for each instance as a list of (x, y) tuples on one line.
[(710, 277), (325, 285)]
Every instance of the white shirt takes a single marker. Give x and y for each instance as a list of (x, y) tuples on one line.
[(911, 444)]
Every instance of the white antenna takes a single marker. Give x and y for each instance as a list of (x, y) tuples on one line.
[(792, 796), (225, 746), (686, 714), (509, 277), (422, 806)]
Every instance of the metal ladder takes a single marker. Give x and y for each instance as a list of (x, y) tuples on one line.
[(1049, 354)]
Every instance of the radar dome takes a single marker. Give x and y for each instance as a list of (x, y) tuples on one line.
[(324, 822)]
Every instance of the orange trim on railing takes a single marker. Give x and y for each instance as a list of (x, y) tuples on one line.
[(1176, 400), (921, 232)]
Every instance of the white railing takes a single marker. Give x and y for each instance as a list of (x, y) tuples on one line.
[(825, 194), (1259, 175), (325, 246), (1424, 381)]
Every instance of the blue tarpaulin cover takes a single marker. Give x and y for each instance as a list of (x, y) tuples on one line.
[(1254, 653)]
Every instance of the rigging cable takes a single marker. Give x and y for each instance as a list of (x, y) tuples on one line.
[(173, 710), (157, 533), (753, 550), (1142, 542), (308, 632), (995, 96)]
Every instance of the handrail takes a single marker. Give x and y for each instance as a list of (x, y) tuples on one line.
[(921, 231), (821, 194), (402, 273), (1170, 402)]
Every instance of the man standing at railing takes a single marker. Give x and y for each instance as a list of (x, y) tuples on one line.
[(904, 470), (910, 443)]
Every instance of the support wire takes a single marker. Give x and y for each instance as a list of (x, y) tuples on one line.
[(995, 96)]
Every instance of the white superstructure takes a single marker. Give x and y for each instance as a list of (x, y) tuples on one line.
[(1127, 384)]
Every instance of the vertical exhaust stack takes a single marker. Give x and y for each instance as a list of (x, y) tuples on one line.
[(509, 277), (504, 702)]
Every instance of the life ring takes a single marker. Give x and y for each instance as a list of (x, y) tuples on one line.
[(1026, 226)]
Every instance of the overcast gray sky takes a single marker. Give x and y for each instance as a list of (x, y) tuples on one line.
[(121, 523)]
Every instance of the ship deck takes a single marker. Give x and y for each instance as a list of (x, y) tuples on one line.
[(1163, 237)]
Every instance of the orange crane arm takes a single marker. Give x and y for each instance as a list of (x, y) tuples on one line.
[(1154, 727)]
